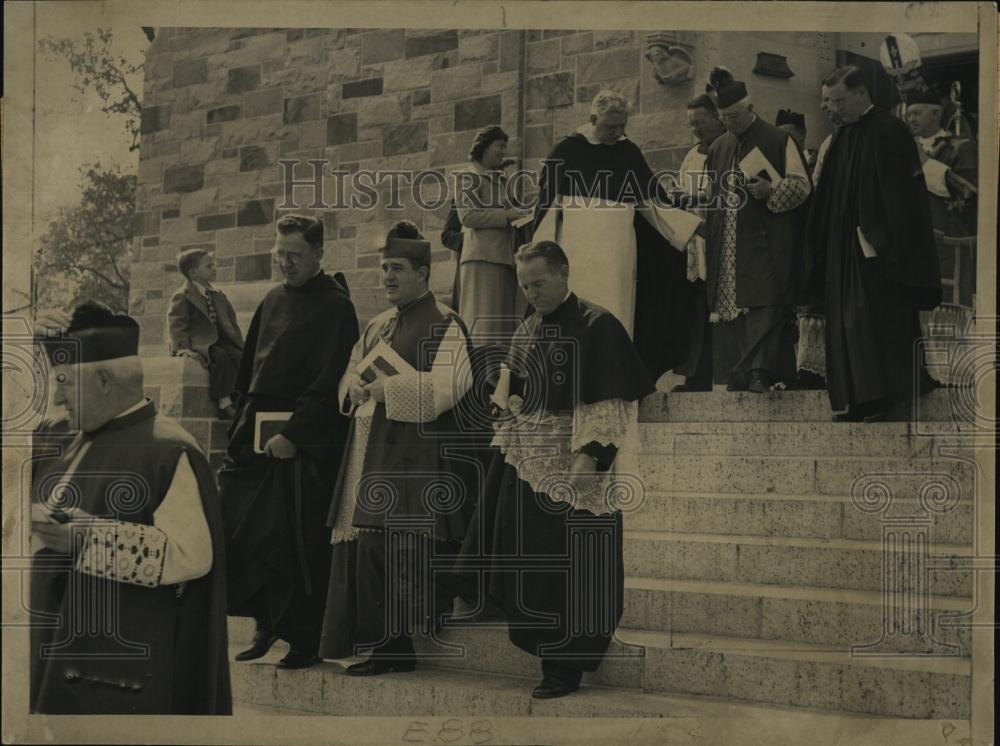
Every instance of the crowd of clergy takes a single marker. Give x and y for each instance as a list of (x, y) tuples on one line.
[(456, 464)]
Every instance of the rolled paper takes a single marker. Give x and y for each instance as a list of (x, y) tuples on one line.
[(502, 392)]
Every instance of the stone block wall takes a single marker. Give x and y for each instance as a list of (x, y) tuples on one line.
[(223, 106)]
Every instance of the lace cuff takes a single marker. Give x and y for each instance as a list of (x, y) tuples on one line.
[(604, 422), (410, 398), (126, 552), (787, 194)]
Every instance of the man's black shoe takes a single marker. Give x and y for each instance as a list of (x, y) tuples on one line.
[(262, 642), (736, 386), (296, 659), (550, 689), (688, 387), (760, 381), (375, 667)]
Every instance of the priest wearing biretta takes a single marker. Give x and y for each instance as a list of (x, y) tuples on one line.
[(123, 506), (754, 246), (401, 498)]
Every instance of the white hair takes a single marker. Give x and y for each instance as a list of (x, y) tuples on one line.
[(606, 102), (742, 105)]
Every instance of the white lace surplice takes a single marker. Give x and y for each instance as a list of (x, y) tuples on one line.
[(542, 446)]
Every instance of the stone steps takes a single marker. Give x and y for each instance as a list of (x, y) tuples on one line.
[(817, 616), (778, 560), (772, 514), (796, 439), (781, 406), (639, 664), (833, 475)]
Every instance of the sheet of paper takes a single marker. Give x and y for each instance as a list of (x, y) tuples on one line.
[(521, 222), (754, 162), (675, 225)]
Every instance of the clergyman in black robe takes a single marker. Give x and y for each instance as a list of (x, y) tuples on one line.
[(275, 503), (547, 536), (871, 255), (599, 178), (128, 600)]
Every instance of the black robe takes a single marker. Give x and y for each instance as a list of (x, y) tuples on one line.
[(578, 354), (663, 297), (297, 348), (124, 649), (872, 179)]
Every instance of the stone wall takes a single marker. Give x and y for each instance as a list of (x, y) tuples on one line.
[(222, 106)]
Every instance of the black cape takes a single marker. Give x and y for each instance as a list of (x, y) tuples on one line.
[(167, 653), (663, 298), (872, 179), (578, 354)]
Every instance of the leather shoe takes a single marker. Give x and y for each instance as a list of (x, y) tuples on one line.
[(262, 642), (375, 667), (760, 381), (688, 388), (736, 386), (550, 689), (297, 659)]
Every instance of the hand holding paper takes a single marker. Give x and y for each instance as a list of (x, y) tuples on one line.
[(756, 165)]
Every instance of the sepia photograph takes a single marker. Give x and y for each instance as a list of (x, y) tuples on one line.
[(499, 373)]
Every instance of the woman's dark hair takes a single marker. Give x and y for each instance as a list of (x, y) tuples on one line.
[(484, 138)]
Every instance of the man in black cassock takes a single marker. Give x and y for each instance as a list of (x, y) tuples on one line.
[(407, 487), (590, 190), (547, 531), (754, 246), (128, 596), (275, 503), (871, 255)]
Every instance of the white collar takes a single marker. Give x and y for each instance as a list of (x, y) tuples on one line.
[(133, 408), (930, 140), (203, 289), (587, 130)]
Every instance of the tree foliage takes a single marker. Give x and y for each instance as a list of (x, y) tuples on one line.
[(98, 69), (86, 249), (85, 253)]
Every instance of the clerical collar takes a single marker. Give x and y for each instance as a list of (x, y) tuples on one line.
[(407, 306), (588, 131), (562, 305), (927, 143), (142, 409), (134, 408)]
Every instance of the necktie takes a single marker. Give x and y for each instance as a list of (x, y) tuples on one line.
[(211, 305)]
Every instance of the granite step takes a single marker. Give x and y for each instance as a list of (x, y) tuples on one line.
[(872, 477), (432, 692), (819, 616), (767, 672), (775, 560), (798, 439), (783, 406), (802, 675), (772, 514)]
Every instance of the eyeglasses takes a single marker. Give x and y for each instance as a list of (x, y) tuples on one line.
[(290, 259)]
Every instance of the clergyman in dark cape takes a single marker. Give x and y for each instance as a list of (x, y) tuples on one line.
[(275, 506), (403, 499), (128, 610), (871, 256), (591, 189), (547, 537)]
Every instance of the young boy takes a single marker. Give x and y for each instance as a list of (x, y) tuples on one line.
[(203, 326)]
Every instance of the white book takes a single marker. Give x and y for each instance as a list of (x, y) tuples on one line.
[(755, 163), (381, 361)]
